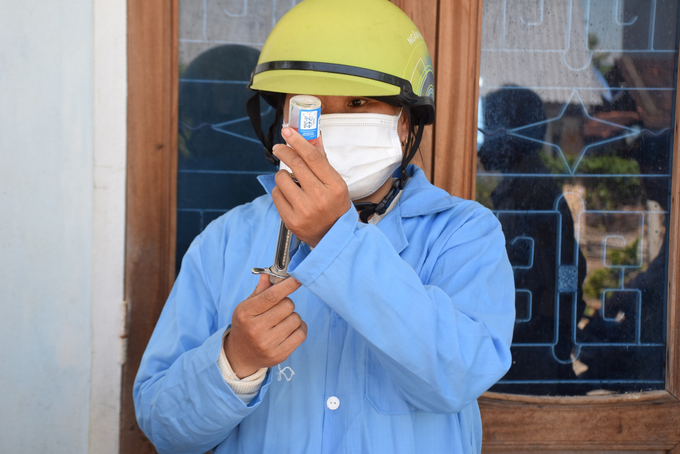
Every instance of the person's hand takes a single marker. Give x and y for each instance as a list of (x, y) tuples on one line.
[(265, 329), (311, 209)]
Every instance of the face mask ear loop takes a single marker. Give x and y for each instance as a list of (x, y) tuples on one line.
[(412, 148)]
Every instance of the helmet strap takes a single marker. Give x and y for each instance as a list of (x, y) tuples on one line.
[(413, 149), (255, 115), (367, 209)]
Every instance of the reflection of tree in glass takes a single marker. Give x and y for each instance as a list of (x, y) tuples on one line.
[(608, 278), (601, 60), (484, 189), (599, 280), (611, 193), (626, 256)]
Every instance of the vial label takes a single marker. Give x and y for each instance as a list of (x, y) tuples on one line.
[(308, 123)]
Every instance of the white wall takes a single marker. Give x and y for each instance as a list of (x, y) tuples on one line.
[(59, 236), (108, 241)]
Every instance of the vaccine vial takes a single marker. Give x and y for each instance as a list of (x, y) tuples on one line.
[(303, 116)]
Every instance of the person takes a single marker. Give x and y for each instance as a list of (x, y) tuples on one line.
[(399, 310)]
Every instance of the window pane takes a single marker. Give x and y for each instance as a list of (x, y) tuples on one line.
[(219, 154), (575, 146)]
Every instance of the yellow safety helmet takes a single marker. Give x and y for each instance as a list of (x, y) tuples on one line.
[(364, 48), (349, 48)]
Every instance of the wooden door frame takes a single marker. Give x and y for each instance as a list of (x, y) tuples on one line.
[(457, 89), (424, 14), (631, 421), (151, 188)]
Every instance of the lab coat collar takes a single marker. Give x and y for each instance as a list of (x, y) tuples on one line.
[(420, 198), (267, 182)]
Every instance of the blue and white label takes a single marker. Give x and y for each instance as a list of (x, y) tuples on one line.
[(308, 123)]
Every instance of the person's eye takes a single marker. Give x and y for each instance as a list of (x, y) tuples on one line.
[(358, 102)]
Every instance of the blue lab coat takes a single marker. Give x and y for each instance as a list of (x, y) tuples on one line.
[(409, 320)]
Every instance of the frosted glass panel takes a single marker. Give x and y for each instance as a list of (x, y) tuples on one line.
[(575, 145), (219, 154)]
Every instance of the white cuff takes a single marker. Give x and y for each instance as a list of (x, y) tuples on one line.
[(245, 388)]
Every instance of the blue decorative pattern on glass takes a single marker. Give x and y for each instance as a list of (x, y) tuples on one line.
[(574, 152), (568, 279)]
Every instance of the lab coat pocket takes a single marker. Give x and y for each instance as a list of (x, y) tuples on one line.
[(381, 391)]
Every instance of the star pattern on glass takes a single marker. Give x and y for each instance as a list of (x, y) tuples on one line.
[(609, 131)]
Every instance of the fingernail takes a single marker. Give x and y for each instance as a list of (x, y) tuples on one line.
[(286, 132), (275, 147)]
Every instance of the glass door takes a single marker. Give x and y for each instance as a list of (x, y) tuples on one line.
[(218, 154), (575, 145), (574, 157)]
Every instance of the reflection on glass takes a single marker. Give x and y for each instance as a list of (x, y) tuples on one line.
[(219, 154), (574, 158)]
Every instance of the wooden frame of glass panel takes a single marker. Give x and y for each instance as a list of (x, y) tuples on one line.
[(644, 421), (458, 47), (512, 423), (151, 188), (424, 15)]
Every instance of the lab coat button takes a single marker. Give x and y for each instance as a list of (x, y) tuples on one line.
[(333, 403)]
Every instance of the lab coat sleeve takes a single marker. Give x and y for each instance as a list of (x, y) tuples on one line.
[(443, 337), (181, 400)]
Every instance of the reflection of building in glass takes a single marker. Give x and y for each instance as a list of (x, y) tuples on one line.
[(204, 24), (581, 176)]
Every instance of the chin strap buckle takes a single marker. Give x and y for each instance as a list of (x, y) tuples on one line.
[(368, 209)]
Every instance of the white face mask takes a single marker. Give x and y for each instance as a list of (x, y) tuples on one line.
[(364, 149)]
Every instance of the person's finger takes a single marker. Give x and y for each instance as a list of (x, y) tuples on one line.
[(278, 313), (286, 326), (312, 156), (294, 340), (319, 145), (291, 157), (282, 204), (271, 296), (294, 194)]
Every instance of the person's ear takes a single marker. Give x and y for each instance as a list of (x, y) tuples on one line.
[(403, 128)]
